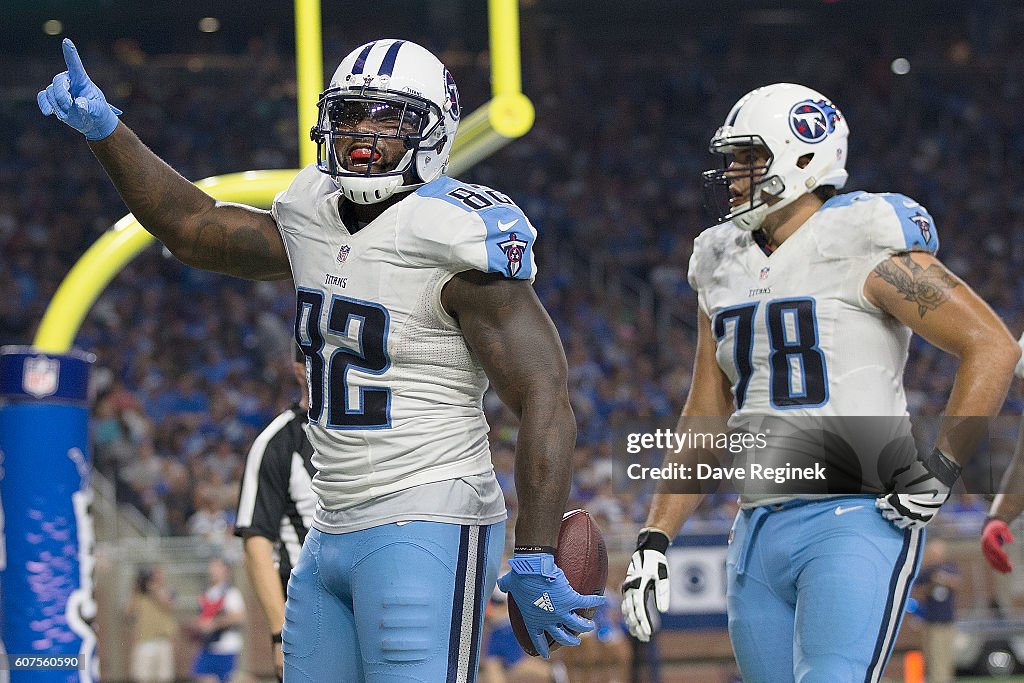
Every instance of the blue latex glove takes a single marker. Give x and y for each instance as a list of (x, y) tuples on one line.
[(546, 600), (74, 99)]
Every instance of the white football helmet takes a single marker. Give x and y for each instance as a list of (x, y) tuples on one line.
[(387, 89), (805, 135)]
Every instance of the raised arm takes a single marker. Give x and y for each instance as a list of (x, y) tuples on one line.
[(200, 231)]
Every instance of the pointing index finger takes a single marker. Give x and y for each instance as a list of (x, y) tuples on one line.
[(74, 63)]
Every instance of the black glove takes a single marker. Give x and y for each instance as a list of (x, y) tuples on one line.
[(920, 490)]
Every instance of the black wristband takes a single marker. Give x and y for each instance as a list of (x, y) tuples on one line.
[(942, 468), (993, 518), (275, 638), (653, 539), (530, 549)]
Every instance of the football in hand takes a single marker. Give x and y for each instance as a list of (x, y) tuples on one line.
[(583, 558)]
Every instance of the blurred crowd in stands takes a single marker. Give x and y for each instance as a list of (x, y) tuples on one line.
[(192, 365)]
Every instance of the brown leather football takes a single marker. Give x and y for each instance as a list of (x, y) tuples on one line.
[(583, 558)]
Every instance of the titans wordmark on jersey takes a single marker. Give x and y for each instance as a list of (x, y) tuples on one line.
[(794, 332), (395, 394)]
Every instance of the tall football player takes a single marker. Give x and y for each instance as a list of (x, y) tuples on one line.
[(413, 291), (807, 302)]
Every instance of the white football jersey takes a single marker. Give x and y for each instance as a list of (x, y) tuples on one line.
[(794, 331), (395, 393)]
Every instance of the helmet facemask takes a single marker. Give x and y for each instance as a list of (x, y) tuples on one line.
[(395, 105), (763, 188), (351, 132)]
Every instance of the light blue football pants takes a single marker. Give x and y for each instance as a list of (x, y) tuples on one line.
[(817, 590), (400, 603)]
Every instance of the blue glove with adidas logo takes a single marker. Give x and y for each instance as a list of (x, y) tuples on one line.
[(546, 600)]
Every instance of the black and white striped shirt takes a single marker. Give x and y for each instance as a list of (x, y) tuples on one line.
[(277, 500)]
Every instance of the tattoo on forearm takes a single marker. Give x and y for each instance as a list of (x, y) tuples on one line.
[(927, 287), (251, 250), (211, 241), (227, 239), (232, 249)]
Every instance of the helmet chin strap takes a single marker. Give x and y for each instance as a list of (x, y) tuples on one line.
[(751, 219), (368, 190), (375, 189)]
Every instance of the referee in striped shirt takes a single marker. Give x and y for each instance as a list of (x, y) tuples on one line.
[(276, 506)]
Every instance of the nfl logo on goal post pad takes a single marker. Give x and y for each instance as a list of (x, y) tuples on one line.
[(45, 491)]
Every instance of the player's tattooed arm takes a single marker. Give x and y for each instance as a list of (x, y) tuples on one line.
[(961, 324), (513, 337), (200, 231), (929, 287)]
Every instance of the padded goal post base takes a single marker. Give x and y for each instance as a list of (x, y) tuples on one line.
[(46, 531)]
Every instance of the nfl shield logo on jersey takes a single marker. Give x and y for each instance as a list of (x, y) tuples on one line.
[(514, 249), (764, 272), (40, 376), (343, 253)]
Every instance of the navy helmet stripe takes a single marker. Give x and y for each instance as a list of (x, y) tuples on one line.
[(388, 65), (361, 59), (735, 115)]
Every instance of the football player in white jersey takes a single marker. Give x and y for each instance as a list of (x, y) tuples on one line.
[(413, 290), (807, 300)]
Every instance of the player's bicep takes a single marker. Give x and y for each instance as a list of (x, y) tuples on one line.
[(507, 328), (918, 290), (237, 240), (710, 390)]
